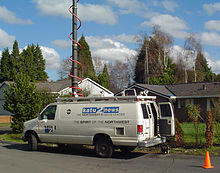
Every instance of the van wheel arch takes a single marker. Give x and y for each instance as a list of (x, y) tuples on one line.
[(28, 133), (101, 136)]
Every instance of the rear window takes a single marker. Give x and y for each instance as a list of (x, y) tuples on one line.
[(165, 110), (144, 110)]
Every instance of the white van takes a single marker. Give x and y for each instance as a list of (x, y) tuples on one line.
[(123, 122)]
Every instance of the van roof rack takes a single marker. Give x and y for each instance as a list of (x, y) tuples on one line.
[(107, 99)]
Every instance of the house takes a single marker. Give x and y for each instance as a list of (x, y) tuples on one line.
[(61, 88), (5, 116), (204, 94)]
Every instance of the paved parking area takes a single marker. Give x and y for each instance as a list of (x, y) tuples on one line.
[(16, 158)]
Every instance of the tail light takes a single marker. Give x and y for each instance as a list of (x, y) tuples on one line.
[(140, 129)]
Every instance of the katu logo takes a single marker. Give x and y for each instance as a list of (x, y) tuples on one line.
[(94, 110)]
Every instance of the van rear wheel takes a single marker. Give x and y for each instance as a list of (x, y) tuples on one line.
[(32, 142), (104, 148)]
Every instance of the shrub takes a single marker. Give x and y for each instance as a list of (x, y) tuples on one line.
[(178, 133), (209, 134)]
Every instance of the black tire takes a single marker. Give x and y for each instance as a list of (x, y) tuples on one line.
[(126, 149), (32, 142), (104, 148)]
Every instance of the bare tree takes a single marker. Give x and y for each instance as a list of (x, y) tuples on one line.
[(152, 55), (192, 48), (64, 69), (119, 74), (164, 41), (98, 64)]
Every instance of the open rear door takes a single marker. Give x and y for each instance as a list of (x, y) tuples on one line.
[(166, 122)]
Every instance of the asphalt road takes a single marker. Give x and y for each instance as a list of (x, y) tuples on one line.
[(14, 158)]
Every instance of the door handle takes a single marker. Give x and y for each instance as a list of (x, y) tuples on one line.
[(55, 127)]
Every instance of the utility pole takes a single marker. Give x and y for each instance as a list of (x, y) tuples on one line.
[(146, 68), (74, 71)]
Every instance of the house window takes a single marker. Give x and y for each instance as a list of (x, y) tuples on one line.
[(182, 103), (208, 105)]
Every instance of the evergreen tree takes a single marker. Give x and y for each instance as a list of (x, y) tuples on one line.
[(29, 62), (10, 65), (85, 58), (203, 71), (103, 79), (140, 68), (14, 60), (167, 77), (5, 72), (39, 61), (23, 100)]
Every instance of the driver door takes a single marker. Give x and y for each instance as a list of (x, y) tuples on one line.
[(48, 125)]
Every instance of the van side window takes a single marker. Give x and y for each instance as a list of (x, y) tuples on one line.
[(144, 110), (165, 110), (149, 112), (153, 110), (49, 113)]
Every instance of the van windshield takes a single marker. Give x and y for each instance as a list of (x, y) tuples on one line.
[(144, 110)]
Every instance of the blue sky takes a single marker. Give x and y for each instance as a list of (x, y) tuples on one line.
[(109, 26)]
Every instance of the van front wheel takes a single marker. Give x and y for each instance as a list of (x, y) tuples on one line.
[(32, 142), (104, 148)]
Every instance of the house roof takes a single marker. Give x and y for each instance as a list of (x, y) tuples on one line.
[(203, 89), (195, 89), (157, 88), (60, 85), (53, 86)]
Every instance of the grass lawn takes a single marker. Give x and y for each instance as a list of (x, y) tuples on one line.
[(4, 124), (189, 133), (190, 146)]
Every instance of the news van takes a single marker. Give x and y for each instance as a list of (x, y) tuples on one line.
[(123, 122)]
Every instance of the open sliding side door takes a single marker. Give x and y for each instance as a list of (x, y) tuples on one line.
[(166, 122)]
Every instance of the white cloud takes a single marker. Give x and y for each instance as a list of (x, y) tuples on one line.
[(172, 25), (109, 49), (0, 54), (64, 44), (98, 43), (54, 8), (10, 17), (213, 25), (212, 8), (88, 12), (126, 38), (5, 39), (97, 13), (129, 6), (51, 56), (210, 38), (170, 5), (213, 63)]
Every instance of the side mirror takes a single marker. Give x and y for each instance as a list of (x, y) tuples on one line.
[(39, 117)]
